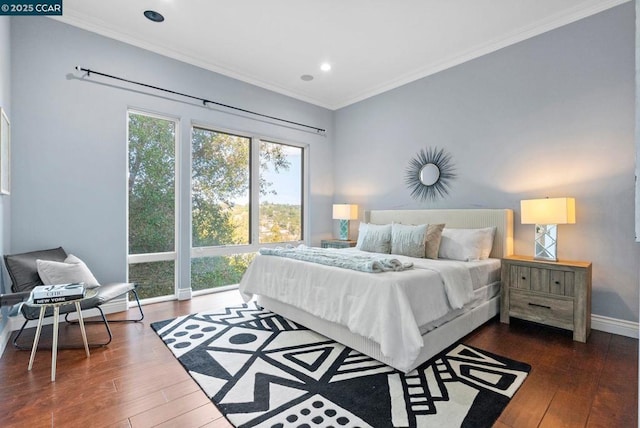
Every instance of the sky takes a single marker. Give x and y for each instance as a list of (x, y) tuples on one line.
[(287, 184)]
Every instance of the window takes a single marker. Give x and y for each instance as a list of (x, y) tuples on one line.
[(280, 193), (245, 193), (226, 230), (152, 204), (219, 188)]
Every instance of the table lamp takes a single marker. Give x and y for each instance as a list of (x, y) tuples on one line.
[(344, 213), (547, 214)]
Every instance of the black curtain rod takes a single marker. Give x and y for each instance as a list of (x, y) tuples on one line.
[(203, 100)]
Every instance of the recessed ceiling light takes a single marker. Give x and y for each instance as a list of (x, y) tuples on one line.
[(154, 16), (325, 66), (306, 77)]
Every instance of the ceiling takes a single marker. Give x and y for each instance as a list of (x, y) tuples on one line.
[(372, 45)]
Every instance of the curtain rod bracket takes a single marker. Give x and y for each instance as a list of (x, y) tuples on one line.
[(77, 67)]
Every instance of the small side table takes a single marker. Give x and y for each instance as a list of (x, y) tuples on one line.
[(337, 243), (56, 315)]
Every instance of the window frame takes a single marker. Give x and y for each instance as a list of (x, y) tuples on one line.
[(165, 255), (254, 196), (182, 257)]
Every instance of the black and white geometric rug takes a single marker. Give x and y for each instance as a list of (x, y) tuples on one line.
[(261, 369)]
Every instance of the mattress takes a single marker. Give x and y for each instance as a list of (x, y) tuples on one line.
[(389, 308), (481, 295), (482, 272)]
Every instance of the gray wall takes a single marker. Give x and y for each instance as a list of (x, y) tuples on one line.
[(637, 122), (638, 139), (5, 103), (69, 152), (550, 116)]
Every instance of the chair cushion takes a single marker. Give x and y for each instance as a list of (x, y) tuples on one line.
[(108, 292), (23, 270)]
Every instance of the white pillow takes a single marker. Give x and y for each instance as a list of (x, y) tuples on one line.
[(71, 270), (466, 244), (362, 230), (408, 240), (375, 238)]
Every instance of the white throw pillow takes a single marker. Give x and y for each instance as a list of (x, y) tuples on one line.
[(408, 240), (466, 244), (362, 231), (375, 238), (71, 270)]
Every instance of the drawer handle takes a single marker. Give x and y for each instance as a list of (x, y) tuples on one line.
[(524, 277), (539, 306), (557, 282)]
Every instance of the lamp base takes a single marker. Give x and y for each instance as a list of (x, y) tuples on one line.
[(344, 230), (546, 243)]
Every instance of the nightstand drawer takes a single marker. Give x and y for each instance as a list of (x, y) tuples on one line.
[(550, 310), (553, 281)]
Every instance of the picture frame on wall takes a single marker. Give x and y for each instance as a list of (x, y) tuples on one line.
[(5, 153)]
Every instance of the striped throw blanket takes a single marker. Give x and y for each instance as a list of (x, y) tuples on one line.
[(337, 258)]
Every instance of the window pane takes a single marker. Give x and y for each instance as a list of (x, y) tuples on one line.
[(154, 279), (151, 184), (280, 192), (220, 188), (211, 272)]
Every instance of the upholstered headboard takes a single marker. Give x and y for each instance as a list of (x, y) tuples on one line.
[(502, 219)]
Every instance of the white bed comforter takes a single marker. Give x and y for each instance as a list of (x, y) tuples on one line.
[(387, 307)]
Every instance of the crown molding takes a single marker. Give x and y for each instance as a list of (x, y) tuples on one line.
[(554, 22), (103, 29), (487, 48)]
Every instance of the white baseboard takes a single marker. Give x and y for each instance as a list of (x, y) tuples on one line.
[(115, 306), (5, 334), (614, 326)]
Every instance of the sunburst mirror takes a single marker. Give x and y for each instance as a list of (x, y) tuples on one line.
[(429, 174)]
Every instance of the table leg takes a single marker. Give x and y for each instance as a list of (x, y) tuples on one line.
[(54, 347), (37, 338), (84, 333)]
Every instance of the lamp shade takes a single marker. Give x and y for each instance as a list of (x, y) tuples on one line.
[(548, 211), (345, 212)]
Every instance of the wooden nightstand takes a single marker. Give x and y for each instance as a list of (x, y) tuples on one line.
[(551, 293), (337, 243)]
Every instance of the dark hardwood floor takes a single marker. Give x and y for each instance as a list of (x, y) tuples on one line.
[(136, 382)]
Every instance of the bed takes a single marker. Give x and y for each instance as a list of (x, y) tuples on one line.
[(387, 316)]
